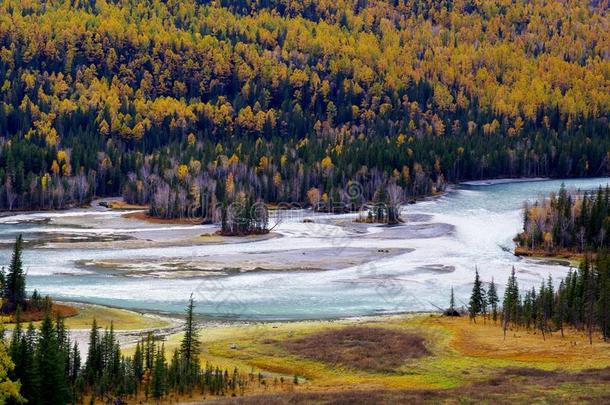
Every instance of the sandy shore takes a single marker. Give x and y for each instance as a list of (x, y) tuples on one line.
[(330, 258)]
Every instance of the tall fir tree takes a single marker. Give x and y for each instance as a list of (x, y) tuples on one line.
[(50, 366), (510, 304), (159, 375), (93, 365), (492, 298), (14, 286), (477, 298), (603, 302), (190, 346)]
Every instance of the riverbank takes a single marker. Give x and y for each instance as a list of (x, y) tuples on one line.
[(565, 255), (144, 216), (494, 182), (81, 315), (37, 314)]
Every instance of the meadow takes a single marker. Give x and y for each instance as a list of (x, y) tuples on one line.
[(461, 361)]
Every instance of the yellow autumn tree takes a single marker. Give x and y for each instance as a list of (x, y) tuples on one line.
[(182, 172)]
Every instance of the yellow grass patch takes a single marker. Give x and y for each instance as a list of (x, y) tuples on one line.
[(486, 341), (122, 319)]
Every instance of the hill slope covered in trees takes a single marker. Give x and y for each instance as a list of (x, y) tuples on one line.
[(180, 104)]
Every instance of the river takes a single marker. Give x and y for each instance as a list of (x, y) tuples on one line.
[(88, 255)]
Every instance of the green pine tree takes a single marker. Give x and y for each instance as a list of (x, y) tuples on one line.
[(477, 298), (159, 375), (50, 366), (14, 291), (603, 302), (190, 346), (93, 366), (492, 297), (510, 304)]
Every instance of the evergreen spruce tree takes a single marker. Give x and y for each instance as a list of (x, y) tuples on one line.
[(510, 302), (64, 345), (174, 373), (492, 297), (138, 366), (476, 303), (31, 379), (540, 310), (50, 366), (560, 306), (75, 364), (190, 346), (588, 297), (93, 364), (14, 291), (603, 302), (159, 374)]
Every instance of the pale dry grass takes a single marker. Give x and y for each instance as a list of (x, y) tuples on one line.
[(486, 340)]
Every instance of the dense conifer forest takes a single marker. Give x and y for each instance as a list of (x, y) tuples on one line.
[(182, 105), (568, 220)]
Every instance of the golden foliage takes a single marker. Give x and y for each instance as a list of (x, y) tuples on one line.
[(327, 163), (182, 172)]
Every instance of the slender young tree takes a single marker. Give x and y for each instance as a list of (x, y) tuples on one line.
[(561, 306), (510, 302), (589, 297), (138, 366), (540, 310), (190, 346), (492, 298), (603, 302)]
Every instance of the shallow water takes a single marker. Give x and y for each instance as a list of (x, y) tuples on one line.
[(476, 224)]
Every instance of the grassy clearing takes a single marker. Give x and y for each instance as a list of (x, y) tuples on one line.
[(485, 342), (460, 353), (463, 362)]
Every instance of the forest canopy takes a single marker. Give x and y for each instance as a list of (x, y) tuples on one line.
[(170, 103)]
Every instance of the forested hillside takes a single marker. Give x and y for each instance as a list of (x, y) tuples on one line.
[(181, 103)]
